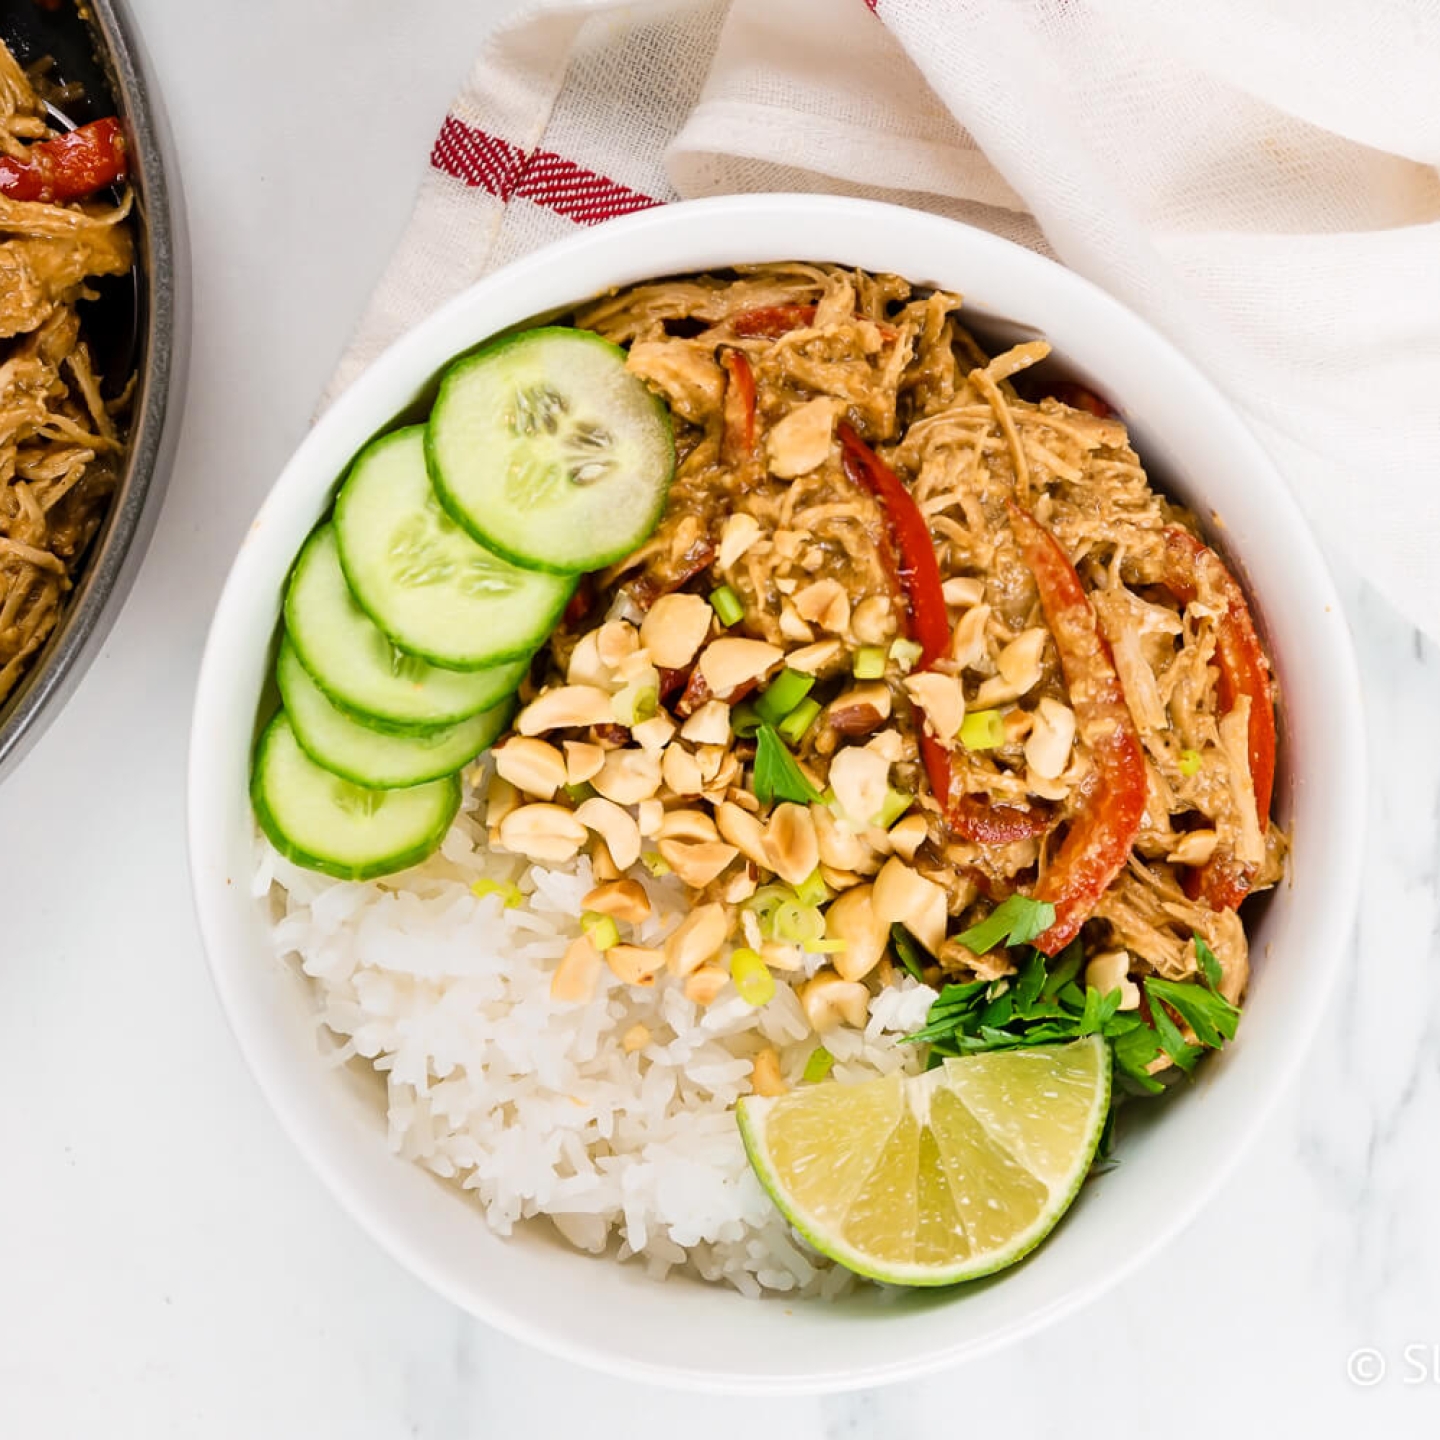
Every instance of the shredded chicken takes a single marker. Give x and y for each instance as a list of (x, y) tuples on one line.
[(761, 368), (60, 439)]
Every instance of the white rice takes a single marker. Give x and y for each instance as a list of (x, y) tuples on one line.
[(532, 1106)]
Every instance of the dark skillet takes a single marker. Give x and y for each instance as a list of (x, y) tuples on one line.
[(139, 323)]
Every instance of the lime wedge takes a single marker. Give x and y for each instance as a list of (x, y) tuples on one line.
[(935, 1178)]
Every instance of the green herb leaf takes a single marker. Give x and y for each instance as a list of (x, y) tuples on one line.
[(778, 775), (1016, 920), (908, 952), (1209, 965), (1213, 1018), (1030, 983), (1136, 1049), (1172, 1042), (1066, 968)]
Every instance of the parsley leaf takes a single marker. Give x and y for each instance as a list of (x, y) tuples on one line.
[(1016, 920), (1213, 1018), (778, 775), (1209, 965)]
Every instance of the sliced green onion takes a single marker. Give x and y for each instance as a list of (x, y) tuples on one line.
[(655, 863), (798, 924), (752, 977), (788, 689), (895, 804), (1189, 762), (726, 604), (745, 720), (869, 663), (906, 653), (982, 730), (508, 891), (818, 1066), (639, 701), (812, 890), (765, 902), (793, 727), (580, 792), (602, 929), (827, 947)]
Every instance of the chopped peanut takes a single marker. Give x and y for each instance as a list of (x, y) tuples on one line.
[(582, 761), (828, 1001), (791, 844), (628, 776), (573, 982), (740, 533), (566, 707), (620, 899), (852, 918), (531, 765), (634, 964), (730, 662), (698, 938), (697, 864), (705, 984), (905, 897), (675, 628), (709, 725), (765, 1076), (622, 834), (548, 833), (942, 700), (824, 603)]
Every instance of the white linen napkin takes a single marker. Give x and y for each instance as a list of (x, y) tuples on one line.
[(1257, 177)]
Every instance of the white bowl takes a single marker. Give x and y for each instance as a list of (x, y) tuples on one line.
[(609, 1315)]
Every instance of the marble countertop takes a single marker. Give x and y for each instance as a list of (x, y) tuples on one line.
[(170, 1267)]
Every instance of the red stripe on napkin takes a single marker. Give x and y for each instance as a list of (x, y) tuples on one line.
[(495, 165)]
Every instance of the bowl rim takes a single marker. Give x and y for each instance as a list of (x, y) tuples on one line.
[(409, 355), (119, 546)]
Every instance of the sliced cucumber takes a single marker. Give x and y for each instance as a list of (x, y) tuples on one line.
[(431, 588), (357, 667), (548, 450), (328, 824), (368, 757)]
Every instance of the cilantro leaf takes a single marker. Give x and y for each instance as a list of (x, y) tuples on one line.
[(1016, 920), (777, 773), (1209, 965), (1029, 983), (1172, 1042), (1067, 967), (1133, 1051), (1098, 1010), (907, 951), (1213, 1018)]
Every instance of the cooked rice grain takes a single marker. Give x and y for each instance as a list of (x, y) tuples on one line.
[(534, 1107)]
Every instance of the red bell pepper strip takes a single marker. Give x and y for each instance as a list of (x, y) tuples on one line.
[(738, 441), (1078, 397), (915, 574), (69, 167), (770, 322), (1223, 881), (1112, 800)]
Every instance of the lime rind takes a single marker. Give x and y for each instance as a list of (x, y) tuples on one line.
[(1012, 1137)]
